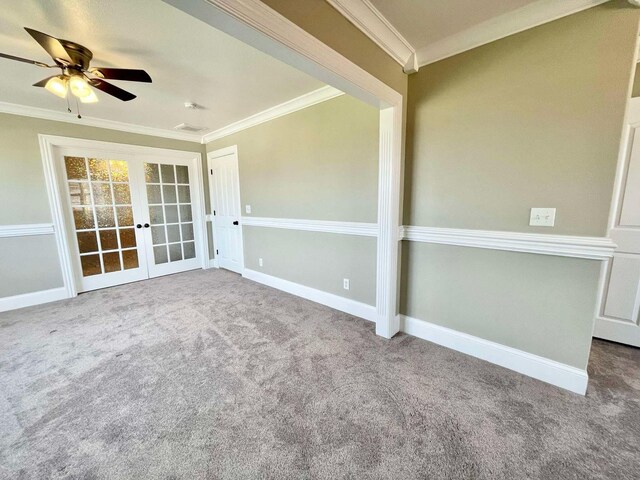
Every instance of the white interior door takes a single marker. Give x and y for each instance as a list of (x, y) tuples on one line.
[(171, 221), (224, 184), (129, 217), (620, 306)]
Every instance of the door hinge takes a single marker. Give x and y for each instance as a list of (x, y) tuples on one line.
[(216, 251), (214, 213), (212, 171)]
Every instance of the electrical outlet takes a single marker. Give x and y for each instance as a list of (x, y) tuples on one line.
[(542, 217), (345, 284), (260, 261), (247, 208)]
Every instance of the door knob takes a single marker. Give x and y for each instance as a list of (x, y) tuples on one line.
[(235, 222), (139, 226), (146, 225)]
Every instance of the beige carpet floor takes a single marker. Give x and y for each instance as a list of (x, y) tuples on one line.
[(208, 375)]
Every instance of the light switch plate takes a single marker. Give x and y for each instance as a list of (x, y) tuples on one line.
[(542, 217), (346, 284), (260, 262), (247, 208)]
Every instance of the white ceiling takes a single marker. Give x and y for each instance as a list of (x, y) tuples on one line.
[(425, 22), (187, 60)]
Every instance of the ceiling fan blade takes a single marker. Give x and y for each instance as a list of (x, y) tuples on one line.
[(111, 89), (25, 60), (128, 74), (43, 82), (51, 44)]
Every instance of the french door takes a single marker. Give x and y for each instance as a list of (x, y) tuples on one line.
[(129, 217)]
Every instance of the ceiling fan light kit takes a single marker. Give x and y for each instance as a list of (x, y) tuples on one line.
[(77, 76)]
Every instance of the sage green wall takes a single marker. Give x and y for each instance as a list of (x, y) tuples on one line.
[(23, 196), (636, 82), (536, 303), (320, 163), (315, 259), (532, 120)]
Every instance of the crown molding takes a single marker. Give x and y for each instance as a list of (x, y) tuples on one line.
[(307, 100), (56, 116), (373, 24), (532, 15)]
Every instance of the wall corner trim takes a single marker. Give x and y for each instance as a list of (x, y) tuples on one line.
[(592, 248), (352, 307), (304, 101), (45, 114), (540, 368), (33, 298), (366, 17)]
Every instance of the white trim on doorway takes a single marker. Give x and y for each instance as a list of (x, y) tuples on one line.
[(256, 24), (48, 144)]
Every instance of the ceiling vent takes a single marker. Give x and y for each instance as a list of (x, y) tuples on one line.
[(185, 127)]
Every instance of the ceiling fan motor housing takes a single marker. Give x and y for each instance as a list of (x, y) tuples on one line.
[(80, 56)]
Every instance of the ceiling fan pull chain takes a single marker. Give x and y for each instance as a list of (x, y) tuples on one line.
[(68, 104), (78, 108)]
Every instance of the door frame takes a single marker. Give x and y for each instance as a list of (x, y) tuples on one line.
[(53, 179), (211, 156), (606, 327), (258, 25)]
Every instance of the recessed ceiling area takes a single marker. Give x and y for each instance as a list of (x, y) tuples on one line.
[(188, 60)]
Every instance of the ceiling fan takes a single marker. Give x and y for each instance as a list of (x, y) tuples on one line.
[(77, 75)]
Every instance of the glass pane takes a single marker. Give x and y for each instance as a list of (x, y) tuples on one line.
[(99, 169), (175, 252), (122, 194), (90, 265), (111, 262), (87, 242), (127, 238), (160, 254), (125, 216), (153, 194), (119, 171), (151, 173), (105, 217), (101, 194), (184, 195), (155, 215), (189, 250), (76, 168), (157, 235), (129, 259), (171, 213), (83, 218), (108, 240), (169, 192), (187, 231), (79, 193), (182, 173), (185, 213), (173, 233), (167, 174)]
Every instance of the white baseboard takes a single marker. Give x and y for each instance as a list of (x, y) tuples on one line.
[(212, 263), (33, 298), (352, 307), (550, 371)]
